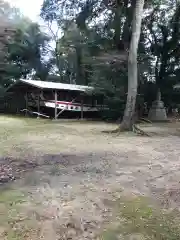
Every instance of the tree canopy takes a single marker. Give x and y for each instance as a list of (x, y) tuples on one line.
[(23, 47), (97, 44)]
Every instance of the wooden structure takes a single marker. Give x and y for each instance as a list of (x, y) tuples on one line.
[(57, 97)]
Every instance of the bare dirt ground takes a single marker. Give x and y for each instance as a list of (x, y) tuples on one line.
[(64, 176)]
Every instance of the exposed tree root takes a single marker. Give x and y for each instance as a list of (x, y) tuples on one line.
[(145, 120), (135, 129), (139, 131), (117, 130)]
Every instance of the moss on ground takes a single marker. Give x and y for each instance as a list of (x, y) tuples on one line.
[(136, 219), (10, 208)]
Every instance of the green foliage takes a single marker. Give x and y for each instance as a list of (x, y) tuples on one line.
[(23, 47), (162, 24), (26, 51)]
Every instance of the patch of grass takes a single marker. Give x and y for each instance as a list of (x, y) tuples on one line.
[(24, 230), (10, 209), (136, 217), (56, 170), (10, 197), (12, 235)]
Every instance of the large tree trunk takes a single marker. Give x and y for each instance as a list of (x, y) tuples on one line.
[(129, 112)]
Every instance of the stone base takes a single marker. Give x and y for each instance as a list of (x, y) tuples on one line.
[(157, 114)]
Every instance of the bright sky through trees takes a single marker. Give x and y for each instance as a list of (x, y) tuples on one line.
[(30, 8)]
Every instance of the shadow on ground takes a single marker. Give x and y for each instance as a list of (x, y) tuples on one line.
[(50, 165)]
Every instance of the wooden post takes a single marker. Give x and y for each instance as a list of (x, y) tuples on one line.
[(55, 114), (38, 104), (26, 99), (82, 103)]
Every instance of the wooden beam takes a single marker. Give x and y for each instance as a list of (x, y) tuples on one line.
[(55, 114), (65, 108)]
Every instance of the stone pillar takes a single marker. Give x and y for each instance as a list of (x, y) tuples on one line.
[(157, 111)]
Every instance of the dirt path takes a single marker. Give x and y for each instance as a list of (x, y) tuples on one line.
[(74, 172)]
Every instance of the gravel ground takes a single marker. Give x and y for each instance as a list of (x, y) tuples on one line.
[(71, 173)]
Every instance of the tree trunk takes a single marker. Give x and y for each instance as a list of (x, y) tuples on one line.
[(129, 112)]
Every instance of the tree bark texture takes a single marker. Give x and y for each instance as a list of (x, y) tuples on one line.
[(128, 118)]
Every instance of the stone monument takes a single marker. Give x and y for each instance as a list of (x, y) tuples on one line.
[(157, 111)]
